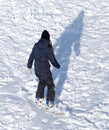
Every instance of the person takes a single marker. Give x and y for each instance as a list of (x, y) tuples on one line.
[(42, 54)]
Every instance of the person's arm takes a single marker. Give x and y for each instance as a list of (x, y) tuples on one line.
[(31, 59), (52, 58)]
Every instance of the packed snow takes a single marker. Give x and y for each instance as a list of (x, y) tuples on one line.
[(80, 35)]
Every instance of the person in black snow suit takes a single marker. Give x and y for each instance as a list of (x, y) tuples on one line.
[(42, 54)]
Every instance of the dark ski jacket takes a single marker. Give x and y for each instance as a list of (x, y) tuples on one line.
[(41, 54)]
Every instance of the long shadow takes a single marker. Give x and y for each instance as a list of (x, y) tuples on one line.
[(70, 38)]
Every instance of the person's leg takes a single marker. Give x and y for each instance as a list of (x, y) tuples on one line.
[(51, 90), (40, 89)]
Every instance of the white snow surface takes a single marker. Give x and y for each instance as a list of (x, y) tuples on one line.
[(80, 34)]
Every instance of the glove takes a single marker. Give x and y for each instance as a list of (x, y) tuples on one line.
[(30, 70), (58, 66)]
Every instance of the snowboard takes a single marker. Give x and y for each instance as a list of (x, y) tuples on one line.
[(53, 111)]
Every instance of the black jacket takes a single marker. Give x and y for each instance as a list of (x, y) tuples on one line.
[(41, 54)]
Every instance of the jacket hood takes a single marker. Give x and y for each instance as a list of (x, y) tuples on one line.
[(43, 43)]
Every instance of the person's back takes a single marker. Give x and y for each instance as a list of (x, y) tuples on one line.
[(41, 56), (42, 53)]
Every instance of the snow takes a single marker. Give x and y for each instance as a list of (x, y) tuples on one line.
[(80, 36)]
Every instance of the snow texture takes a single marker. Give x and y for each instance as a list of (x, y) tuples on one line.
[(80, 34)]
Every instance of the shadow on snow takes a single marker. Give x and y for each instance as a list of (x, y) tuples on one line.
[(70, 37)]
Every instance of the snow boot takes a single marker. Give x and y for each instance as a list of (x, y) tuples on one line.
[(49, 104), (39, 100)]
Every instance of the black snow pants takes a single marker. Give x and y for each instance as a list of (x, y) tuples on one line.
[(50, 89)]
